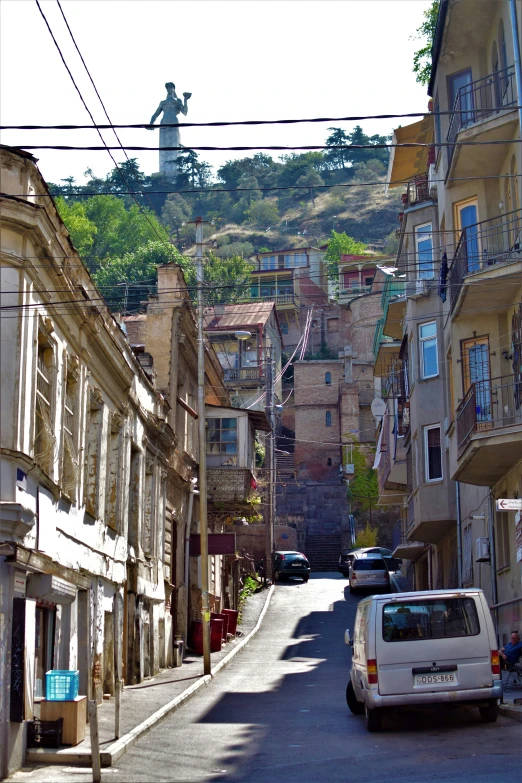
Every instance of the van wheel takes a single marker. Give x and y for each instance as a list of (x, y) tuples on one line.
[(489, 714), (355, 706), (373, 718), (305, 579)]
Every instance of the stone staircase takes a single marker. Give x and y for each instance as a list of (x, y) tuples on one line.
[(285, 466), (323, 552)]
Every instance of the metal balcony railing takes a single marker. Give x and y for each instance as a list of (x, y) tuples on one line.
[(417, 190), (243, 374), (489, 405), (279, 299), (480, 100), (485, 244), (393, 289), (380, 337)]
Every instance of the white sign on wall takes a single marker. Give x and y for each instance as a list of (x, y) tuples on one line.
[(509, 504)]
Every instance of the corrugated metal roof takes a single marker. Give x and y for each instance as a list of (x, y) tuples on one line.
[(235, 316)]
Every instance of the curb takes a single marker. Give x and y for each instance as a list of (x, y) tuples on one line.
[(511, 711), (118, 748)]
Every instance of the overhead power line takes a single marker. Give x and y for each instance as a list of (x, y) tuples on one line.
[(229, 123), (273, 147)]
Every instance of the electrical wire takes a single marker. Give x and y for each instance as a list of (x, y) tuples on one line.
[(272, 147), (217, 124)]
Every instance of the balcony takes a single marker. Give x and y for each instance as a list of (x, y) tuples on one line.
[(282, 301), (347, 294), (482, 109), (489, 430), (393, 303), (244, 375), (486, 251), (230, 485), (417, 191), (384, 349)]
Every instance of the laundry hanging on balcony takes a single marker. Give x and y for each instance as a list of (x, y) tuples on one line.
[(443, 277)]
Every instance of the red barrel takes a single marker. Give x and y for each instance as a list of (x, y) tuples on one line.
[(221, 616), (216, 634), (232, 615)]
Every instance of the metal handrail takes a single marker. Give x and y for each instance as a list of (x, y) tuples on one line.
[(489, 404), (479, 100)]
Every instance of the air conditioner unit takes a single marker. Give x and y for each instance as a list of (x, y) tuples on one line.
[(482, 546), (416, 288), (349, 468)]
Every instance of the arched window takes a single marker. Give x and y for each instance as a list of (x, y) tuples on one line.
[(328, 419), (502, 46), (328, 378), (329, 462)]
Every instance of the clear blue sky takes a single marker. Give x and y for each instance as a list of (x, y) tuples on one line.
[(241, 59)]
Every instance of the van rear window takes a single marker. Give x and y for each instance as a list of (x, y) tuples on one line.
[(442, 618), (371, 564)]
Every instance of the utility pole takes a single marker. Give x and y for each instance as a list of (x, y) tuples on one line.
[(203, 531), (270, 463)]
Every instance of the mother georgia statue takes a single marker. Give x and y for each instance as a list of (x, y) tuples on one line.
[(169, 137)]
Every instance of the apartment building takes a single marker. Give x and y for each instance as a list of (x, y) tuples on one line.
[(480, 220), (87, 485)]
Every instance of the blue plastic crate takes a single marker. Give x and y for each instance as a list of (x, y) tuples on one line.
[(61, 685)]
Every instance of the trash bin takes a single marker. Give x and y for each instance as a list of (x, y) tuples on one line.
[(178, 652)]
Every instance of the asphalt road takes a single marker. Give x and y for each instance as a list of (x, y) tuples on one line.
[(278, 713)]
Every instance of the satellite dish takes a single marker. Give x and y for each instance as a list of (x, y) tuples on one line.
[(378, 407)]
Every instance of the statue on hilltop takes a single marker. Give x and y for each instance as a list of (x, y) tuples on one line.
[(169, 137)]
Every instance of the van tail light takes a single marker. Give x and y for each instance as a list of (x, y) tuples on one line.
[(353, 576), (495, 662), (371, 668)]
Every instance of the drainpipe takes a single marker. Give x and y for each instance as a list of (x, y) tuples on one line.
[(186, 577), (492, 551), (516, 52), (459, 536)]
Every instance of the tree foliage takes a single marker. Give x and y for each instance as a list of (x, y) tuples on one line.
[(340, 244), (363, 491), (426, 33), (366, 537)]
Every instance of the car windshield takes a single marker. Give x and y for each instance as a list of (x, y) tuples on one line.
[(440, 618), (370, 564), (294, 556)]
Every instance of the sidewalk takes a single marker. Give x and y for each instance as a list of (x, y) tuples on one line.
[(512, 700), (144, 705)]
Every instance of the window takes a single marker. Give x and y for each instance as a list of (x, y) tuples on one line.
[(467, 563), (284, 328), (429, 362), (432, 619), (44, 438), (269, 262), (368, 281), (70, 461), (424, 248), (328, 419), (222, 440), (503, 553), (329, 461), (328, 378), (433, 453)]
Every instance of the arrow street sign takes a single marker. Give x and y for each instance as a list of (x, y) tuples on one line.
[(507, 504)]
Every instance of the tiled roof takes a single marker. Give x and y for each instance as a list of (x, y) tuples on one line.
[(234, 316)]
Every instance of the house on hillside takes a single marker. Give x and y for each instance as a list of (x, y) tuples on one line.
[(245, 337), (356, 275), (294, 279)]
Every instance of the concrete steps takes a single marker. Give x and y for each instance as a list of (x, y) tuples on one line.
[(323, 552)]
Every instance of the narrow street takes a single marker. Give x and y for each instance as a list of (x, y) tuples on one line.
[(278, 712)]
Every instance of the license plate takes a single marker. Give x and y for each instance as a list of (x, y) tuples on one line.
[(297, 565), (436, 679)]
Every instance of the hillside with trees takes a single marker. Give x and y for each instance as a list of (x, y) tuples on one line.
[(252, 205)]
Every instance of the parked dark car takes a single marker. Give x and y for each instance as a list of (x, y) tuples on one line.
[(286, 564), (347, 556)]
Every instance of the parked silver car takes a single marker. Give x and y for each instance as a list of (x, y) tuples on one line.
[(347, 555), (368, 570)]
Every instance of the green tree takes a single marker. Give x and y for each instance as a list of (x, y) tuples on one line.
[(264, 213), (338, 245), (336, 158), (119, 278), (366, 537), (426, 33), (175, 213), (227, 280), (80, 227), (191, 171), (312, 179), (231, 249)]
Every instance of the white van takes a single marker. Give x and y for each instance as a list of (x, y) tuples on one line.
[(414, 649)]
